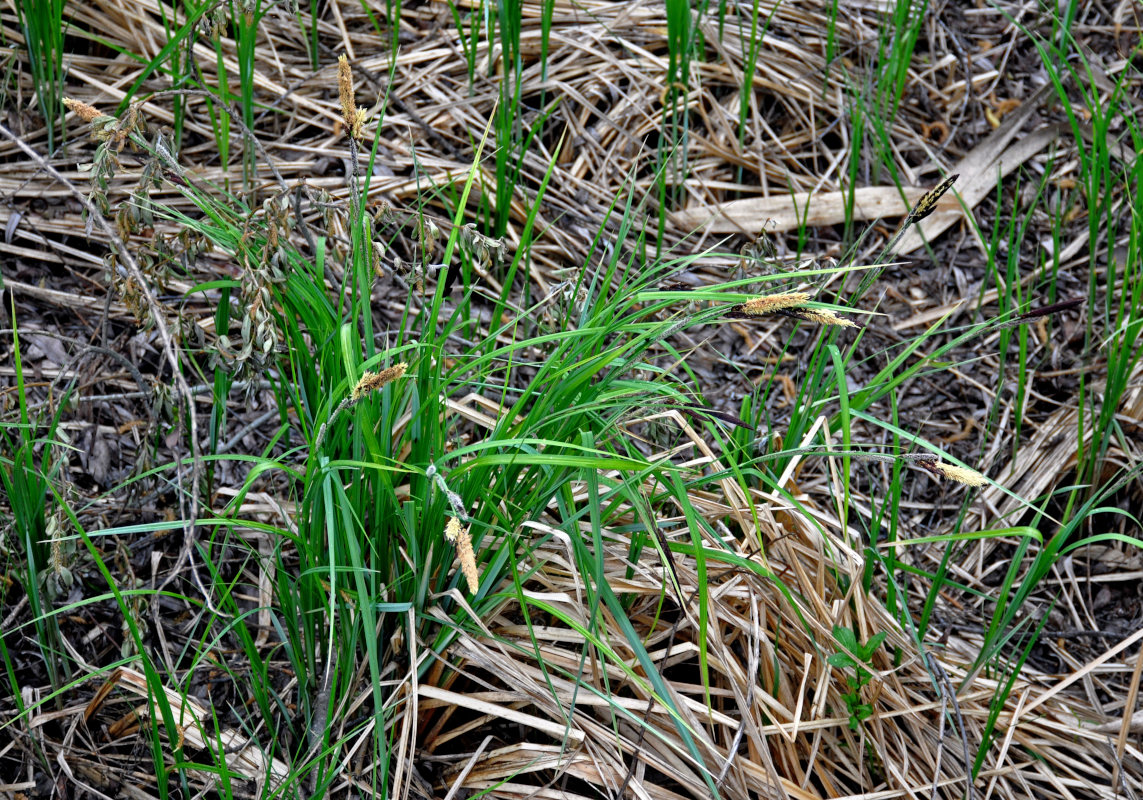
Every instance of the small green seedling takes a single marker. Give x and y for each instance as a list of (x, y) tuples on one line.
[(858, 710)]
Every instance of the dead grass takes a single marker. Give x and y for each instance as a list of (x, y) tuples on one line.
[(607, 63), (509, 720), (777, 724)]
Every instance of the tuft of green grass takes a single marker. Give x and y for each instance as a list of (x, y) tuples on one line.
[(682, 34), (1007, 238), (31, 458), (1110, 168), (245, 20), (41, 22), (378, 475), (377, 479), (874, 98), (897, 39)]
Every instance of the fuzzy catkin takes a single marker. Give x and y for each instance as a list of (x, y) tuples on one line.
[(459, 536)]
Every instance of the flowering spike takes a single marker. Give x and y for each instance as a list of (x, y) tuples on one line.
[(459, 536), (767, 304), (372, 381), (86, 112), (928, 202), (822, 316)]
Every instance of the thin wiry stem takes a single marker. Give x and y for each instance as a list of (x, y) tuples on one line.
[(188, 502)]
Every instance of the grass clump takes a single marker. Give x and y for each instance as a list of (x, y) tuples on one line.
[(43, 29)]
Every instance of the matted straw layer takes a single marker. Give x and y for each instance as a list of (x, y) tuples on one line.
[(607, 67), (777, 722)]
